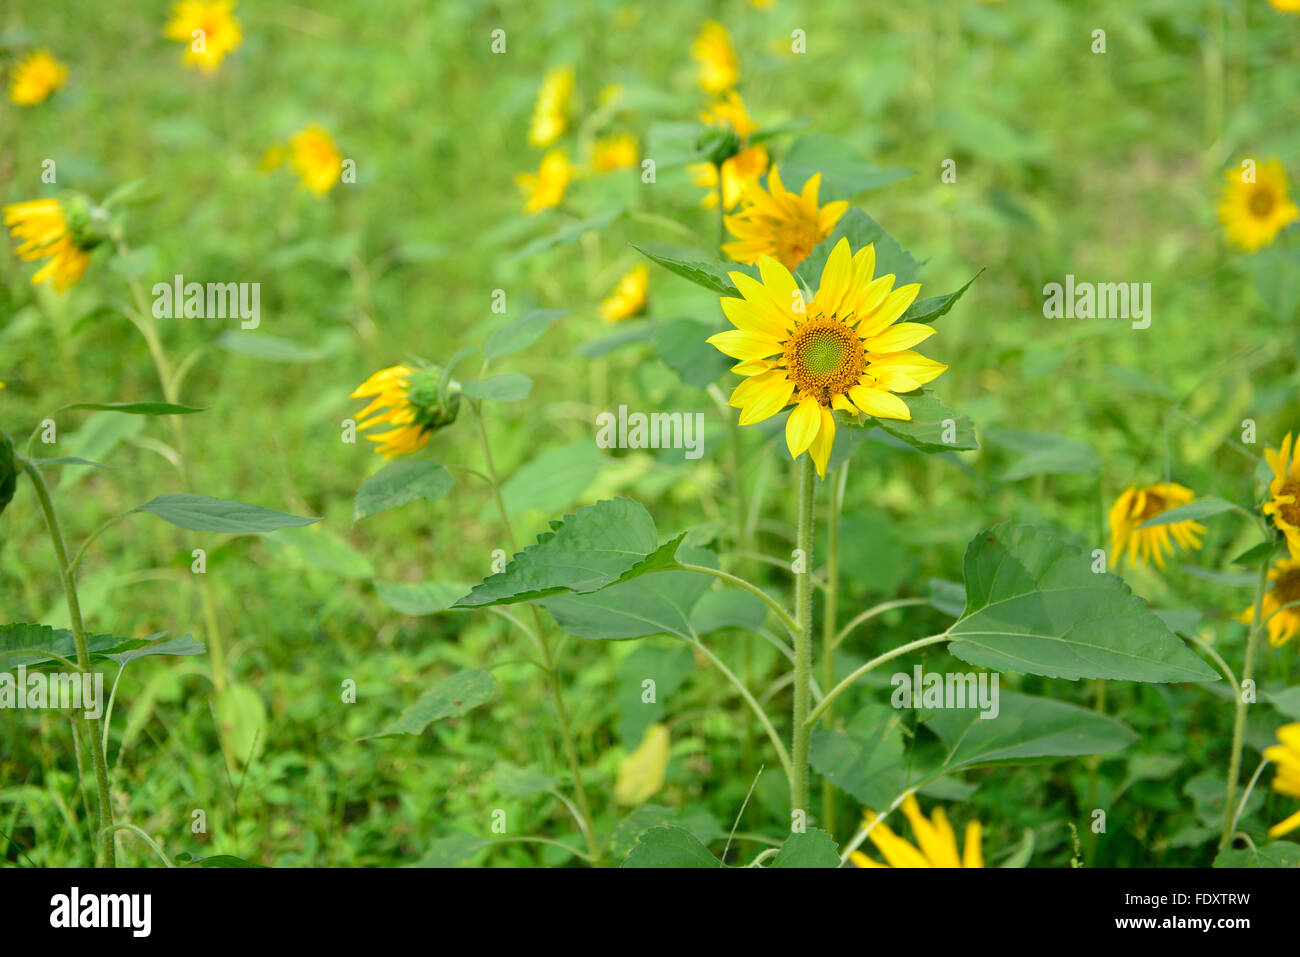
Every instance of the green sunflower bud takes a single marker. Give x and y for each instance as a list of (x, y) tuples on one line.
[(8, 472), (88, 223), (437, 403), (718, 145)]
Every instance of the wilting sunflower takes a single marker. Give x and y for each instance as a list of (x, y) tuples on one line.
[(744, 166), (546, 187), (844, 350), (1284, 506), (410, 400), (36, 78), (1138, 505), (315, 159), (936, 842), (629, 297), (1283, 622), (616, 151), (1254, 213), (57, 230), (551, 114), (712, 50), (209, 30), (781, 224), (1287, 780)]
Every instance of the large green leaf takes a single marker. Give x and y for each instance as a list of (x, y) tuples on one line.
[(680, 344), (1194, 511), (1276, 854), (865, 759), (845, 172), (419, 598), (712, 276), (27, 643), (449, 698), (1034, 605), (668, 666), (202, 513), (932, 422), (861, 230), (400, 484), (813, 848), (181, 647), (670, 847)]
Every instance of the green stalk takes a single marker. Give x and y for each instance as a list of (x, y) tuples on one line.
[(1239, 721), (830, 610), (94, 735), (803, 613)]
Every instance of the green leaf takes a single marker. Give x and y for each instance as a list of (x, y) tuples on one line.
[(449, 698), (1042, 453), (136, 408), (216, 860), (624, 834), (1286, 701), (401, 483), (1256, 554), (454, 850), (669, 847), (935, 307), (516, 782), (1193, 511), (680, 345), (861, 230), (813, 848), (69, 460), (709, 275), (98, 436), (1034, 605), (419, 598), (30, 644), (551, 482), (185, 646), (1024, 851), (521, 333), (506, 387), (316, 548), (201, 513), (565, 234), (845, 172), (728, 608), (668, 667), (932, 422), (1276, 854), (598, 545), (259, 345), (865, 759)]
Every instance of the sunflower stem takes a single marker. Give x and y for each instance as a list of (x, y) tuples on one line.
[(803, 614), (1239, 721), (830, 611)]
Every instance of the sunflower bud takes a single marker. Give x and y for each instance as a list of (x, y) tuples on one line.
[(8, 472), (88, 223), (437, 403), (717, 144)]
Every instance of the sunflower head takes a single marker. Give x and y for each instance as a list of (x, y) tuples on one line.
[(209, 30), (545, 188), (1138, 505), (314, 158), (551, 114), (1286, 755), (415, 403), (781, 224), (62, 231), (615, 151), (840, 349), (719, 70), (1253, 213), (1283, 622), (629, 297), (36, 77), (1283, 506), (936, 842)]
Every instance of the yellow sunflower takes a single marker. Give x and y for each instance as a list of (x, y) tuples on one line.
[(315, 158), (1283, 622), (50, 230), (208, 28), (1138, 505), (843, 350), (1287, 780), (551, 114), (616, 151), (1286, 6), (546, 187), (781, 224), (712, 50), (1253, 214), (628, 298), (746, 166), (936, 839), (409, 400), (1284, 506), (36, 78)]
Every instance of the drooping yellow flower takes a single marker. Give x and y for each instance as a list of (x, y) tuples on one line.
[(1287, 780), (616, 151), (712, 50), (551, 114), (1284, 506), (1282, 622), (209, 30), (842, 351), (1253, 214), (745, 166), (730, 111), (629, 297), (36, 78), (1138, 505), (936, 842), (394, 402), (1286, 6), (45, 231), (781, 224), (315, 159), (546, 187)]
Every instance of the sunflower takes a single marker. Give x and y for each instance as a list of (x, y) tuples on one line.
[(628, 298), (546, 187), (50, 229), (616, 151), (1287, 780), (1283, 622), (1286, 6), (781, 224), (551, 114), (1284, 506), (1254, 213), (1138, 505), (936, 839), (411, 401), (712, 50), (36, 78), (315, 158), (208, 27), (843, 350), (746, 165)]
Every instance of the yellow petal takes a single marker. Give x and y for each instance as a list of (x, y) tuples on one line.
[(802, 426)]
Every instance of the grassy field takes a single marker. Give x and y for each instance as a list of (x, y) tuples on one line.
[(1005, 139)]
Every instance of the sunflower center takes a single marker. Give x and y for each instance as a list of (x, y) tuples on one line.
[(1286, 588), (1261, 202), (1155, 505), (1291, 511), (824, 358)]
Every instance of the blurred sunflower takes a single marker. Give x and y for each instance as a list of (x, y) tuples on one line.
[(936, 839), (410, 401), (1284, 506), (1138, 505), (712, 50), (744, 165), (1283, 622), (551, 114), (1253, 214), (1287, 780), (616, 151), (1286, 6), (629, 297), (36, 77), (315, 159), (209, 30), (781, 224), (59, 231), (546, 187), (844, 350)]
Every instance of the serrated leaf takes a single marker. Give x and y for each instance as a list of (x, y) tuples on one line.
[(1276, 854), (812, 848), (31, 644), (709, 275), (202, 513), (669, 847), (931, 423), (401, 483)]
